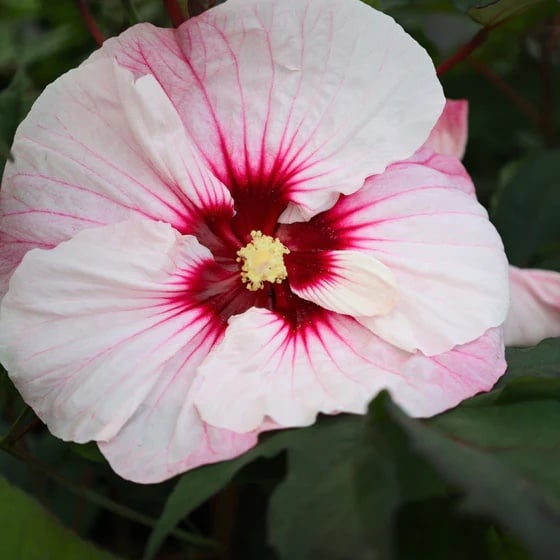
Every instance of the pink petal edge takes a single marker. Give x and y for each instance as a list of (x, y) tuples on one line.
[(534, 312), (265, 370)]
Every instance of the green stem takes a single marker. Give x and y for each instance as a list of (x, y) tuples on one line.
[(8, 437), (129, 8), (102, 501)]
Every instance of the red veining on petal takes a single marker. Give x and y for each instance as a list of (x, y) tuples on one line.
[(308, 267), (297, 312), (261, 182), (216, 291)]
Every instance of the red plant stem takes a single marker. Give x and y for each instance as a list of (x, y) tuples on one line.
[(175, 12), (498, 82), (90, 22), (464, 51)]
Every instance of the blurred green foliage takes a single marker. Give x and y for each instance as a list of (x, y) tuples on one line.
[(34, 533)]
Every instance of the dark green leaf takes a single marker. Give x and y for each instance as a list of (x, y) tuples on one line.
[(30, 533), (388, 473), (505, 461), (533, 373), (530, 389), (488, 12), (88, 451), (541, 361), (434, 530), (197, 486), (527, 208), (313, 513), (503, 547)]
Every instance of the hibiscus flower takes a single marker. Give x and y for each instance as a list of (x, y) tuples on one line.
[(230, 227)]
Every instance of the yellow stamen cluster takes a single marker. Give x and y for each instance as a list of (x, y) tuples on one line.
[(263, 261)]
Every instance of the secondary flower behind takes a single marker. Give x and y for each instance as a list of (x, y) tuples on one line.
[(230, 227)]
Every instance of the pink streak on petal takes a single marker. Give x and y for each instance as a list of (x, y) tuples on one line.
[(96, 345), (443, 381), (264, 369), (420, 220), (95, 150), (448, 166), (298, 75), (449, 136), (534, 312)]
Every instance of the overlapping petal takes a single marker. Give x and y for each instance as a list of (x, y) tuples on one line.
[(534, 313), (166, 436), (264, 369), (98, 147), (449, 136), (93, 343), (447, 258), (347, 282), (320, 94)]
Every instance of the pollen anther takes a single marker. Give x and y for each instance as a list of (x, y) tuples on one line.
[(263, 261)]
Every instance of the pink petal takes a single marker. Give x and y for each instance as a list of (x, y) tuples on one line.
[(447, 258), (534, 313), (449, 136), (106, 330), (443, 381), (305, 98), (99, 147), (264, 369), (347, 282)]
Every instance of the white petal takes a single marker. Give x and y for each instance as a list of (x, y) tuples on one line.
[(266, 369), (422, 222), (99, 147), (304, 96), (89, 329), (347, 282)]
